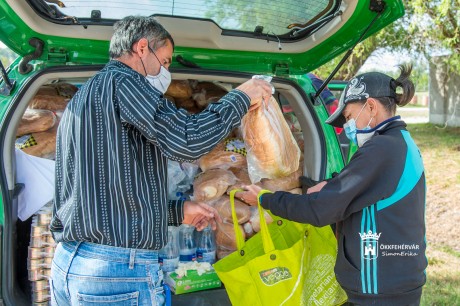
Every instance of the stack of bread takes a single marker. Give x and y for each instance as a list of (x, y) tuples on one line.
[(194, 96), (37, 130), (226, 168)]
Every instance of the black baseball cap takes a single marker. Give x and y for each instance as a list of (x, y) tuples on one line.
[(360, 88)]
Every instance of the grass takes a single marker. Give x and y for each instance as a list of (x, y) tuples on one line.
[(440, 148)]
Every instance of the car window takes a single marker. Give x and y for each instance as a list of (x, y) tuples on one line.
[(277, 18)]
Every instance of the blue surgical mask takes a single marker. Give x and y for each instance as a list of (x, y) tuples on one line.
[(351, 130)]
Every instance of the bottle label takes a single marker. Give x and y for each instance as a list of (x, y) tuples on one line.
[(168, 264), (187, 257), (203, 256)]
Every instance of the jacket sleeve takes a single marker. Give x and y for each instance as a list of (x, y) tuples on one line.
[(360, 184), (180, 136)]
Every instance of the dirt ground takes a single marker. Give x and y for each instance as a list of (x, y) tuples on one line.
[(442, 169)]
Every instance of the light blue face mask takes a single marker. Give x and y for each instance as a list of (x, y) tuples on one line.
[(351, 129)]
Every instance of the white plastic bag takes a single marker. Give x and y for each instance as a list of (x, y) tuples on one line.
[(272, 151)]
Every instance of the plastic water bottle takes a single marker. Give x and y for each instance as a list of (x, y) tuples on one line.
[(187, 250), (168, 256), (206, 248)]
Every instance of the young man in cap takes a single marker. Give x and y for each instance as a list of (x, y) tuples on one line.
[(378, 198)]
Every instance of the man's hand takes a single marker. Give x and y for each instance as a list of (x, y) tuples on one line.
[(200, 215), (249, 195), (317, 187), (258, 90)]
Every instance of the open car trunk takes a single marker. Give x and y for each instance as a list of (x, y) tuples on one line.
[(27, 245)]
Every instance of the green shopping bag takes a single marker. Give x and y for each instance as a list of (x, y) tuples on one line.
[(286, 263)]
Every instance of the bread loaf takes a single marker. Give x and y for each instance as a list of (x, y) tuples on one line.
[(219, 158), (255, 219), (46, 144), (36, 120), (52, 103), (212, 184), (272, 150), (225, 235), (242, 177), (284, 183), (224, 208), (179, 89)]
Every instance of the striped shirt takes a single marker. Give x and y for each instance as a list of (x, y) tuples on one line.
[(113, 144)]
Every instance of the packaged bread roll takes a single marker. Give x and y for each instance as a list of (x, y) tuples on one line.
[(220, 158), (224, 208), (36, 120), (52, 103), (42, 144), (284, 183), (45, 144), (255, 219), (242, 177), (212, 184), (225, 236), (272, 151), (222, 252), (179, 89)]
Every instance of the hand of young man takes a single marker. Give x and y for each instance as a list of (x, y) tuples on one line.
[(200, 215)]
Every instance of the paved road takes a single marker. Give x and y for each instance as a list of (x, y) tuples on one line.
[(414, 114)]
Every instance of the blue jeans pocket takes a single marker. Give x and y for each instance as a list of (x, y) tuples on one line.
[(125, 299)]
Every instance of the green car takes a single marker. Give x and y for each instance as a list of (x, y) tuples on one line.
[(220, 41)]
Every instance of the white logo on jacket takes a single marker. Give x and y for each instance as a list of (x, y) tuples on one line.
[(369, 245)]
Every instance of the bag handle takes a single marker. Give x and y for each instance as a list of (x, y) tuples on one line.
[(236, 227), (266, 238)]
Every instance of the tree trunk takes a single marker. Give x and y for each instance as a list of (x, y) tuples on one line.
[(444, 93)]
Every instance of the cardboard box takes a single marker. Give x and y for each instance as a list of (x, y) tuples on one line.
[(192, 282)]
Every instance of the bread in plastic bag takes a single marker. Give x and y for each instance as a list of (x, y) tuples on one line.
[(224, 208), (225, 236), (220, 158), (36, 120), (212, 184), (272, 151)]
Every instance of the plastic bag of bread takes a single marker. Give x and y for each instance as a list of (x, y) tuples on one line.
[(221, 158), (212, 184), (42, 144), (224, 208), (225, 236), (283, 183), (255, 219), (36, 120), (242, 176), (272, 151), (53, 97), (222, 252), (179, 89)]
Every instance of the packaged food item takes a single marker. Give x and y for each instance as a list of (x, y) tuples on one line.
[(225, 236), (223, 207), (179, 89), (212, 184), (35, 121), (272, 151), (223, 158)]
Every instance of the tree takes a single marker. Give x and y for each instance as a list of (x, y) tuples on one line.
[(429, 28)]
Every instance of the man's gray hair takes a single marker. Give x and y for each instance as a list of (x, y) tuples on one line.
[(131, 29)]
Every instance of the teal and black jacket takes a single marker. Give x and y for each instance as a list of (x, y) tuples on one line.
[(379, 202)]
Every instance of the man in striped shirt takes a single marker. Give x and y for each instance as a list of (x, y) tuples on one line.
[(114, 140)]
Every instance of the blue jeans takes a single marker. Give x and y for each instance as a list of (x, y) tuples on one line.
[(85, 273)]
